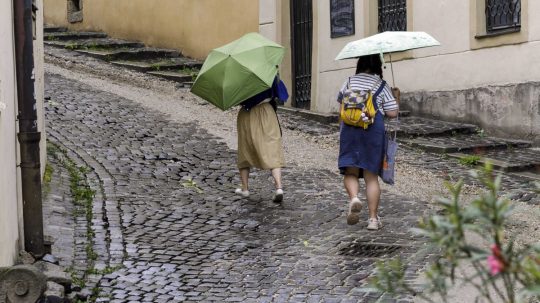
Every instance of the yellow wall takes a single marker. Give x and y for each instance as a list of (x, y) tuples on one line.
[(194, 27)]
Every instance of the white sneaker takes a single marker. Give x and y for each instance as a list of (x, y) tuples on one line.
[(278, 195), (374, 223), (243, 193), (353, 216)]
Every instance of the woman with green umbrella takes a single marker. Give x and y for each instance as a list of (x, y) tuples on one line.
[(259, 137)]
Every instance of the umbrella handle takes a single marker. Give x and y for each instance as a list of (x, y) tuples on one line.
[(392, 69)]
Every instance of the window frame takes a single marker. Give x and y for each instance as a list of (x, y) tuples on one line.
[(481, 38)]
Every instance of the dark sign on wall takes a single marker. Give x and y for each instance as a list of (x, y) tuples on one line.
[(341, 18)]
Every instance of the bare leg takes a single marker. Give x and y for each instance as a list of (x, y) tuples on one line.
[(276, 173), (373, 192), (244, 176), (350, 180)]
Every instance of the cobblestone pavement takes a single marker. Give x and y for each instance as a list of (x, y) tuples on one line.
[(167, 226)]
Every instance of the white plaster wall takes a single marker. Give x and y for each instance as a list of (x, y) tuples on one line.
[(9, 233), (490, 66), (534, 21), (329, 74), (268, 19), (451, 66)]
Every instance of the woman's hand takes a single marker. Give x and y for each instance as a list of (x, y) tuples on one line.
[(396, 93)]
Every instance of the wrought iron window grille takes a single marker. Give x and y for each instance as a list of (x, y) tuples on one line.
[(503, 15), (392, 15)]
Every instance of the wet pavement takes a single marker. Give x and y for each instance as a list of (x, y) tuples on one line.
[(166, 226)]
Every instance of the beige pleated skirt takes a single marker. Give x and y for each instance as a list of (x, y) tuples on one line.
[(259, 138)]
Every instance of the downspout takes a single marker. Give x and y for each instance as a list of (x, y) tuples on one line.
[(28, 135)]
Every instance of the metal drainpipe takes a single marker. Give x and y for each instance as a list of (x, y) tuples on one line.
[(28, 135)]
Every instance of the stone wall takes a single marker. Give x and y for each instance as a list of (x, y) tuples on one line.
[(511, 111)]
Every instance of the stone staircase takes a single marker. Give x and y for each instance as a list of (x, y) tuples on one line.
[(467, 144), (164, 63)]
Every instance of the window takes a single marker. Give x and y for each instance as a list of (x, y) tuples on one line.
[(341, 18), (503, 15), (392, 15), (74, 11)]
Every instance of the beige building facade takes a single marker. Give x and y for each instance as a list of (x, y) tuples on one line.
[(193, 27), (488, 78), (11, 214)]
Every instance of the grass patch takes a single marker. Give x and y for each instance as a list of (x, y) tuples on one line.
[(471, 160), (47, 177), (191, 71), (155, 66), (83, 197), (71, 46)]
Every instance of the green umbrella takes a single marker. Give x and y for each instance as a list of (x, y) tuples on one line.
[(238, 70)]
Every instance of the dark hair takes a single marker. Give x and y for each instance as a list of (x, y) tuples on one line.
[(371, 64)]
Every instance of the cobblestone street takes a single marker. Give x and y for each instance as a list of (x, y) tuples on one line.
[(167, 226)]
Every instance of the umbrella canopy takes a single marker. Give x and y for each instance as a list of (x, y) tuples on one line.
[(236, 71), (386, 42)]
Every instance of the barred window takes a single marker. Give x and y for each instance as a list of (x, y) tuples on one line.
[(503, 15), (392, 15)]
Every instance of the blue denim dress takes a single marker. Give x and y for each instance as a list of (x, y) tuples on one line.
[(363, 148)]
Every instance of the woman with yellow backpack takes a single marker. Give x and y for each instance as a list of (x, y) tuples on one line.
[(365, 99)]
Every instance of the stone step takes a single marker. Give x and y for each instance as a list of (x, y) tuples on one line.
[(53, 29), (473, 143), (95, 44), (52, 36), (130, 54), (159, 64), (529, 174), (509, 160), (412, 126), (404, 113), (172, 75)]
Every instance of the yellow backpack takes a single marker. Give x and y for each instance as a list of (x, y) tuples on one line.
[(357, 107)]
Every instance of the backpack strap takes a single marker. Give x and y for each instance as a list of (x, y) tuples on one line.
[(377, 93), (381, 87)]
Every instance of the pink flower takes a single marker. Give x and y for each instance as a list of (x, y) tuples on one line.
[(495, 261), (495, 266)]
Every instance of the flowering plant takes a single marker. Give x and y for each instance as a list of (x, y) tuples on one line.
[(501, 271)]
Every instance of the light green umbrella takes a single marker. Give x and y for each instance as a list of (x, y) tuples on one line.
[(387, 43), (236, 71)]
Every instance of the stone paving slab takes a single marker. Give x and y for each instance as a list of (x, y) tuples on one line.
[(71, 35), (173, 75), (523, 159), (130, 54), (53, 29), (159, 63), (189, 238), (473, 143), (94, 43), (413, 126)]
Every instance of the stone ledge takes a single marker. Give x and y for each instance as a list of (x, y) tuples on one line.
[(319, 117)]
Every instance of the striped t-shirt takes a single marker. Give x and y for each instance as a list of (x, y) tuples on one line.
[(362, 81)]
